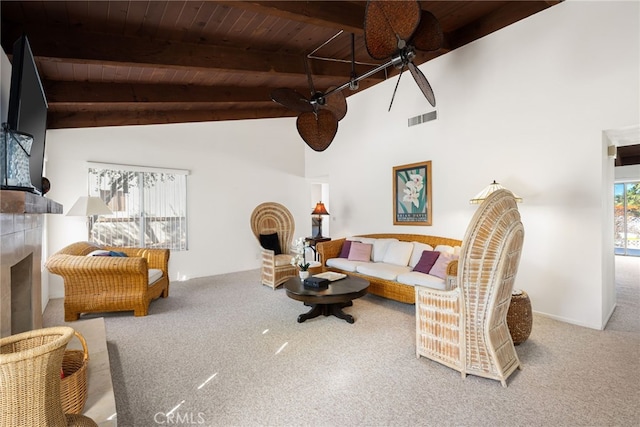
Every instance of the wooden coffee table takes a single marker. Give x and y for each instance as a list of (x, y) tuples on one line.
[(329, 301)]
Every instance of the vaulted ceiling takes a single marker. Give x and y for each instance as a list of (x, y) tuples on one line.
[(111, 63)]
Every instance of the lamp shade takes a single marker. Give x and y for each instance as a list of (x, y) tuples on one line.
[(89, 206), (320, 209), (494, 186)]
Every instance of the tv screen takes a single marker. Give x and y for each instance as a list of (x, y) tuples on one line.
[(27, 112)]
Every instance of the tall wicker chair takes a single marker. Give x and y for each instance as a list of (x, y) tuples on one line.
[(30, 365), (266, 219), (466, 328)]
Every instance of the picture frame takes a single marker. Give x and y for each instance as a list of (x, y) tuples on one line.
[(412, 194)]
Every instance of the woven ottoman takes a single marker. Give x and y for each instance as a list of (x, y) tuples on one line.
[(519, 317)]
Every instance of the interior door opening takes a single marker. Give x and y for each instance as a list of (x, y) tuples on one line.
[(627, 218)]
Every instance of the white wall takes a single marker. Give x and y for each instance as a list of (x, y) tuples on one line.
[(529, 114), (234, 167), (526, 106)]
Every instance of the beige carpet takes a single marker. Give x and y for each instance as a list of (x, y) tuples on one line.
[(225, 350)]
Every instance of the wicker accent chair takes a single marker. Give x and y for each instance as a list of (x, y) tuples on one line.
[(30, 364), (466, 328), (266, 219), (96, 284)]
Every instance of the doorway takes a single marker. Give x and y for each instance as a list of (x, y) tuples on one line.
[(627, 218)]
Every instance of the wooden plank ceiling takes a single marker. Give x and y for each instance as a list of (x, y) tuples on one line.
[(111, 63)]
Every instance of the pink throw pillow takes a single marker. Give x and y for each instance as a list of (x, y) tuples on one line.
[(360, 251), (427, 260), (439, 269)]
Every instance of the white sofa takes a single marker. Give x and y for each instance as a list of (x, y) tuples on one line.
[(390, 265)]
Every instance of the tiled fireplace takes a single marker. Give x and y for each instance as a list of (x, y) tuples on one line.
[(21, 226)]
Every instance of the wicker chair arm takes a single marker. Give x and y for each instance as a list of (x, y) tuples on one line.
[(156, 258), (452, 268), (329, 249), (65, 265), (268, 257)]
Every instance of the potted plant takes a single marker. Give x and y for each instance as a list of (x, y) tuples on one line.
[(299, 260)]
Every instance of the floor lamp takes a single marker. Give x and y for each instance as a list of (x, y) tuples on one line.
[(89, 207)]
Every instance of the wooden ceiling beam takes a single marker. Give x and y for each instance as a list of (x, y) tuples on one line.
[(509, 13), (126, 93), (60, 44), (64, 120)]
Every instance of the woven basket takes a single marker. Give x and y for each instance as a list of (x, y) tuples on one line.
[(520, 317), (73, 387)]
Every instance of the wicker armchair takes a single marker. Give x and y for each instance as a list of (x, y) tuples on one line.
[(102, 284), (266, 219), (466, 328), (30, 365)]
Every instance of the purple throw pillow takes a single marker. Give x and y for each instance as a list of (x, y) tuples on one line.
[(346, 247), (427, 260)]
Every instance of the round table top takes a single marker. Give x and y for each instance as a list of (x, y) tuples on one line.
[(342, 290)]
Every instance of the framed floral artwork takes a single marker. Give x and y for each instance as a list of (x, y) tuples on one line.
[(412, 194)]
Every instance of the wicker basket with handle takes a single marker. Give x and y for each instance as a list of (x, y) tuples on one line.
[(73, 387)]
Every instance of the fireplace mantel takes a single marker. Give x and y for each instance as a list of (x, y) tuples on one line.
[(21, 228), (22, 202)]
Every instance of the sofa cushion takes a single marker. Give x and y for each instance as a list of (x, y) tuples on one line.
[(444, 249), (360, 251), (418, 248), (398, 253), (271, 242), (154, 275), (426, 261), (344, 264), (380, 247), (439, 269), (346, 247), (414, 278), (382, 270)]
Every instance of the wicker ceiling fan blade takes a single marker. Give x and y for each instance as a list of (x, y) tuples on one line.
[(388, 25), (428, 35), (336, 103), (423, 83), (291, 99), (317, 129)]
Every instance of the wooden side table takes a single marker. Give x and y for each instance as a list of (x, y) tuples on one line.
[(312, 241), (519, 317)]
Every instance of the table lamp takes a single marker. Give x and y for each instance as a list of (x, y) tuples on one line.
[(319, 210), (494, 186), (89, 207)]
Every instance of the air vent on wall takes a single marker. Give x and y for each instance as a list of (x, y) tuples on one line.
[(423, 118)]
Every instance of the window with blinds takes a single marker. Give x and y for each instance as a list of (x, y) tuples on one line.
[(149, 206)]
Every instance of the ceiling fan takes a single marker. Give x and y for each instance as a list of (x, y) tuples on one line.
[(394, 30), (319, 115)]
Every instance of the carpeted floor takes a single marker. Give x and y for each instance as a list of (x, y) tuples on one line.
[(226, 351)]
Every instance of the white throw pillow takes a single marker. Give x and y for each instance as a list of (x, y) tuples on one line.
[(418, 248), (380, 248), (398, 253), (445, 249)]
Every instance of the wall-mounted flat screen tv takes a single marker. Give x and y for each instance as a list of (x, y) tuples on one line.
[(27, 111)]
